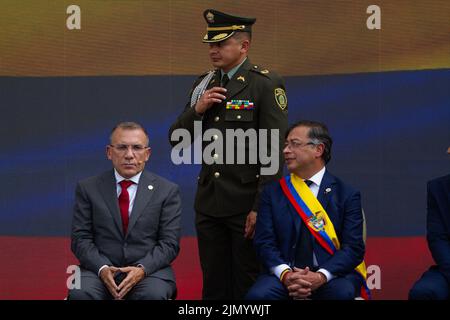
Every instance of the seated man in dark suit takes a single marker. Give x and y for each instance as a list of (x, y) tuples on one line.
[(435, 283), (126, 225), (309, 231)]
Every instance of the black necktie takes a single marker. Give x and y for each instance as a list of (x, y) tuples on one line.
[(225, 80), (304, 250)]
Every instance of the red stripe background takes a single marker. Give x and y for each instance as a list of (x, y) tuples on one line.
[(35, 267)]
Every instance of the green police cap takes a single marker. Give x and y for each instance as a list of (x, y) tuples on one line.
[(222, 26)]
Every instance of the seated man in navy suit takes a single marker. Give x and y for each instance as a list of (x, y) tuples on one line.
[(309, 231), (435, 283)]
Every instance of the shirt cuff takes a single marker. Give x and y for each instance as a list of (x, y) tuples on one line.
[(327, 274), (140, 265), (278, 270), (101, 268)]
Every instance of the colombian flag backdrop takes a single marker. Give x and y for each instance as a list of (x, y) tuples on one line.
[(384, 94)]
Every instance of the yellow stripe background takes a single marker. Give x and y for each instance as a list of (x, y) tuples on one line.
[(149, 37)]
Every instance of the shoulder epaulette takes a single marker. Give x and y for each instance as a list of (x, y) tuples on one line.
[(262, 71), (205, 73)]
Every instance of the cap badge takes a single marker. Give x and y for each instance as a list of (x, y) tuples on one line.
[(210, 17), (220, 36)]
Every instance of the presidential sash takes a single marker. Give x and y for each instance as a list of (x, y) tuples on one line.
[(316, 219)]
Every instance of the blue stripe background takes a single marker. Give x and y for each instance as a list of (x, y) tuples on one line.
[(390, 129)]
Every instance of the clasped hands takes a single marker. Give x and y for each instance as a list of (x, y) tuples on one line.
[(134, 275), (302, 282)]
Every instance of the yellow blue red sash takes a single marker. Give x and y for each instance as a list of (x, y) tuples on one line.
[(316, 219)]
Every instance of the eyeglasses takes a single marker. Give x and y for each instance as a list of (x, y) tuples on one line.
[(135, 148), (296, 144)]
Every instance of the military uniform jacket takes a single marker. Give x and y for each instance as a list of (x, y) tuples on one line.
[(227, 189)]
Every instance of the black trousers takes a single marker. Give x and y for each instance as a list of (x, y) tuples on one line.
[(228, 260)]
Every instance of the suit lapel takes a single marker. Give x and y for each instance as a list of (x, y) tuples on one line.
[(326, 189), (215, 81), (143, 196), (446, 193), (296, 218), (239, 81), (108, 189)]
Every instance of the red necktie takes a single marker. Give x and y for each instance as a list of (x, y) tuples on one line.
[(124, 203)]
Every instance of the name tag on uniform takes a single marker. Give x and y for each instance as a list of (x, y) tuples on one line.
[(240, 105)]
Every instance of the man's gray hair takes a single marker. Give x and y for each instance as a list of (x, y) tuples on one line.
[(129, 125)]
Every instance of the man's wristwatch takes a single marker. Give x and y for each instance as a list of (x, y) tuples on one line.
[(324, 277)]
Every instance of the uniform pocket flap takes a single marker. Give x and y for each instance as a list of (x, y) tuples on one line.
[(239, 115), (249, 177)]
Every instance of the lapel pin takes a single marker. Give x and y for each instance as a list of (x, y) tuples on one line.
[(327, 190), (241, 78), (150, 187)]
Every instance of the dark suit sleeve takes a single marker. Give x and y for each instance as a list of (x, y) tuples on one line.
[(167, 245), (265, 241), (351, 239), (271, 116), (437, 235), (83, 245)]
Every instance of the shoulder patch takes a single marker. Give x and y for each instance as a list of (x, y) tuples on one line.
[(281, 98)]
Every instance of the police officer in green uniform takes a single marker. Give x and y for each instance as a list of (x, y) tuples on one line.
[(235, 95)]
